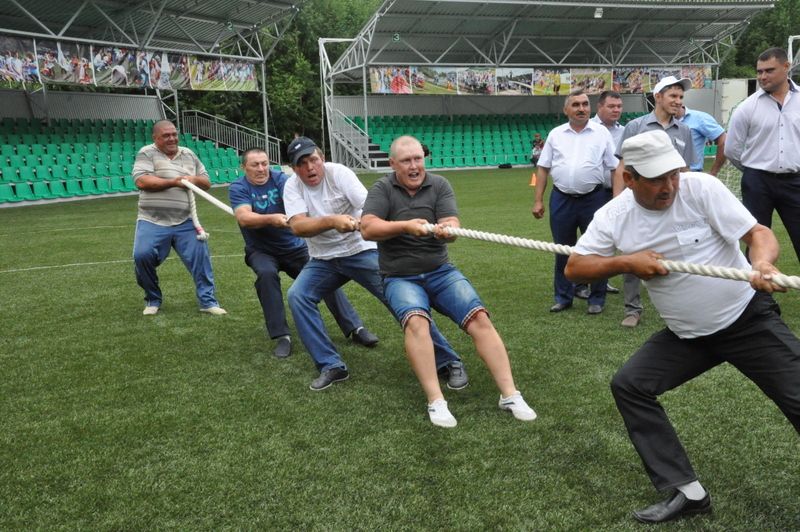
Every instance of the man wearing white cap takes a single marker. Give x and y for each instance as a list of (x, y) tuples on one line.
[(668, 95), (693, 217)]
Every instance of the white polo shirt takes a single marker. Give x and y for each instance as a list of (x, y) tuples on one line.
[(579, 160)]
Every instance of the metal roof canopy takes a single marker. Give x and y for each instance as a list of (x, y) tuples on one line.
[(222, 28), (550, 33)]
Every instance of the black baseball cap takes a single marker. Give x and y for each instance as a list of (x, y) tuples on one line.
[(299, 148)]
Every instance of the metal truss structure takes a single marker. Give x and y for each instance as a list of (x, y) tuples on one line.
[(544, 34)]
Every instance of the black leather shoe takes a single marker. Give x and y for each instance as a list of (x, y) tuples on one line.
[(673, 508), (363, 336), (558, 307)]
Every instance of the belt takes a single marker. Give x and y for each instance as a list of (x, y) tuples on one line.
[(595, 189), (778, 175)]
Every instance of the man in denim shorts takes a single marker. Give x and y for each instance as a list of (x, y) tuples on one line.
[(418, 276)]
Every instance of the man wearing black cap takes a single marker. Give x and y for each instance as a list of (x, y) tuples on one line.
[(323, 202), (664, 214)]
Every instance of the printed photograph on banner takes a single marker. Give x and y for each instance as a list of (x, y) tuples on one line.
[(657, 74), (241, 76), (66, 63), (551, 81), (435, 80), (514, 81), (179, 71), (590, 80), (390, 80), (141, 78), (700, 76), (112, 66), (18, 67), (159, 71), (207, 74), (477, 81), (632, 80)]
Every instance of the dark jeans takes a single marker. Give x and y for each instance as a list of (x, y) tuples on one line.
[(268, 288), (569, 214), (758, 344), (765, 192)]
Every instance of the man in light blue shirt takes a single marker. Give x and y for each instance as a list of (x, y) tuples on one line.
[(704, 129)]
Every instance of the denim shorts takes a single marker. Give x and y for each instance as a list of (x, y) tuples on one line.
[(444, 289)]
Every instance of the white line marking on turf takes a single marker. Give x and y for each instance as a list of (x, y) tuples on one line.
[(100, 263), (63, 229)]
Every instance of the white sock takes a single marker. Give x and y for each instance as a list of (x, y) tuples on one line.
[(693, 491)]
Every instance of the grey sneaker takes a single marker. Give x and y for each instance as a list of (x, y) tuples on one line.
[(283, 347), (456, 375), (328, 377)]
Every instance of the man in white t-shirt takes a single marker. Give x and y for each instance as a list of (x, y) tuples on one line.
[(323, 202), (692, 217)]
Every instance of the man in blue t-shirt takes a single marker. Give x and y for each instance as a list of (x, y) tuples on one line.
[(271, 247)]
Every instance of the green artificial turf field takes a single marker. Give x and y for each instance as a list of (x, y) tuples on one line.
[(116, 421)]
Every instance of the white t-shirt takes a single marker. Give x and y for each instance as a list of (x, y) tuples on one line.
[(340, 192), (702, 226)]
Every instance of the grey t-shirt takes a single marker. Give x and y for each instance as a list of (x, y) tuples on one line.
[(171, 206), (407, 254), (678, 132)]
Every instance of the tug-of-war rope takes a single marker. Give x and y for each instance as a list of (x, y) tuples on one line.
[(786, 281)]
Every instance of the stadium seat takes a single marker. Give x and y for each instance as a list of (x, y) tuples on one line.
[(8, 174), (87, 170), (26, 174), (117, 185), (62, 159), (57, 189), (42, 191), (7, 194), (129, 183), (74, 188), (103, 185), (101, 170), (42, 173), (73, 171), (57, 172), (24, 192)]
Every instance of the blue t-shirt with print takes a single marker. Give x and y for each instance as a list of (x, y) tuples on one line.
[(265, 199)]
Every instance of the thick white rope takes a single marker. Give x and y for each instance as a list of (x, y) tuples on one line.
[(201, 233), (194, 188), (786, 281)]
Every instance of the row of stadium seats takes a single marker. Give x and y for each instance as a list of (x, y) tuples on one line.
[(25, 126), (86, 186), (468, 140)]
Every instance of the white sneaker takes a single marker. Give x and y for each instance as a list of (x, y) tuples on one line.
[(150, 311), (517, 406), (214, 311), (440, 415)]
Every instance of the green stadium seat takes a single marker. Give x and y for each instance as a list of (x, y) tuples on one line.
[(101, 169), (74, 188), (103, 185), (31, 160), (87, 170), (62, 159), (129, 182), (7, 194), (26, 174), (42, 173), (115, 169), (8, 174), (24, 192), (116, 184), (42, 191), (127, 167), (57, 172), (16, 161), (66, 147), (73, 171), (57, 189), (23, 149)]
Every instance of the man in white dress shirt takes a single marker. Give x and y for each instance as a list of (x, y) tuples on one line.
[(764, 143), (578, 155)]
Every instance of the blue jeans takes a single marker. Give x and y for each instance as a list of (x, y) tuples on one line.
[(445, 289), (268, 288), (568, 215), (151, 246), (319, 278)]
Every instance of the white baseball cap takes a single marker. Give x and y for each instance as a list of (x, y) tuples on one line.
[(651, 154), (669, 81)]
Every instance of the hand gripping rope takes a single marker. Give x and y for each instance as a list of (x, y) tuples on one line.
[(786, 281)]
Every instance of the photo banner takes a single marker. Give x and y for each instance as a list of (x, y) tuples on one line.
[(64, 63), (434, 80), (178, 71), (390, 80), (241, 77), (514, 81), (477, 81), (551, 81), (18, 66), (657, 74), (590, 80), (700, 76), (114, 67), (631, 80)]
